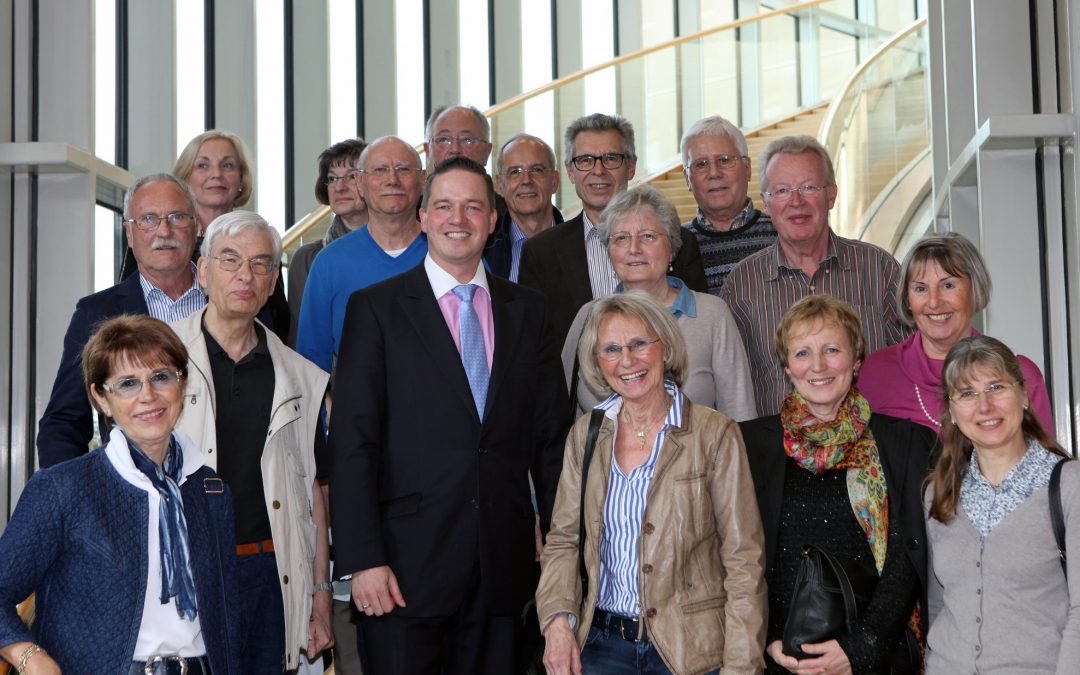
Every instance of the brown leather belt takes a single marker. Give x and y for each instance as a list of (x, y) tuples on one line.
[(255, 547)]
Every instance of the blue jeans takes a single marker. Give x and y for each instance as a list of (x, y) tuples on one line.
[(607, 653), (262, 621)]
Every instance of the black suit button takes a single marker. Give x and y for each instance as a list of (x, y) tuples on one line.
[(913, 543), (482, 451), (475, 503)]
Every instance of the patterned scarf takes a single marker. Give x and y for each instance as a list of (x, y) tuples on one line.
[(844, 443), (176, 579)]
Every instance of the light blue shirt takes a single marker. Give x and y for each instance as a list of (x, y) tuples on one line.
[(160, 306), (624, 511)]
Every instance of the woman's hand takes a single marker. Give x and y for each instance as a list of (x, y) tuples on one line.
[(776, 651), (561, 653), (320, 627), (829, 659)]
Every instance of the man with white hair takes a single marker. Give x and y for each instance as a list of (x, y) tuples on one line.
[(252, 405), (717, 167)]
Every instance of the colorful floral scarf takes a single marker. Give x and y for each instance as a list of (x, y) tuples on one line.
[(844, 443)]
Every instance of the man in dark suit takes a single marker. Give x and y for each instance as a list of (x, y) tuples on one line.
[(449, 396), (569, 263), (159, 220), (526, 176)]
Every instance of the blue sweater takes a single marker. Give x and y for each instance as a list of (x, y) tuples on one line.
[(78, 538), (345, 266)]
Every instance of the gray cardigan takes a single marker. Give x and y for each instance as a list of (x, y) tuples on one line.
[(1000, 603), (719, 372)]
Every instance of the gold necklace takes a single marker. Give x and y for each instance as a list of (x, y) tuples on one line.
[(642, 434)]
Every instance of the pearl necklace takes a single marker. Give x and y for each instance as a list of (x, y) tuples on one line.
[(918, 395)]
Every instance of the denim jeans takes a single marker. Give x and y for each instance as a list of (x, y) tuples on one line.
[(606, 653), (262, 619)]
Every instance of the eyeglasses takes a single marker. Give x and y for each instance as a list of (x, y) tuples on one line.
[(647, 238), (384, 172), (466, 141), (637, 346), (785, 194), (968, 398), (128, 387), (516, 173), (260, 264), (610, 160), (331, 180), (701, 166), (151, 221)]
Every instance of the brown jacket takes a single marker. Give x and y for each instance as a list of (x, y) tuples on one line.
[(701, 550)]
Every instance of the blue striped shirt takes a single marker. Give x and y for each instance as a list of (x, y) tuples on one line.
[(624, 511), (161, 306)]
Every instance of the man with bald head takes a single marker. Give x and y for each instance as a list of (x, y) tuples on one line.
[(159, 220), (527, 177), (457, 131), (391, 180)]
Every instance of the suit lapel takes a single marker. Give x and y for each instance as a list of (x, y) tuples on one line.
[(774, 464), (508, 319), (131, 295), (575, 262), (419, 305)]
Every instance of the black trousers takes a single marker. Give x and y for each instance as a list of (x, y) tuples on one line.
[(470, 642)]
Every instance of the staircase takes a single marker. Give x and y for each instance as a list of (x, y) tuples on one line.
[(673, 183)]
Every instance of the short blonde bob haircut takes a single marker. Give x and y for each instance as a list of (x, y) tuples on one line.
[(658, 322), (185, 163), (819, 308)]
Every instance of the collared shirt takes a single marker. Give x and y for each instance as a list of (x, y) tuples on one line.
[(517, 242), (684, 303), (161, 630), (443, 284), (602, 277), (160, 306), (986, 505), (624, 510), (243, 398), (751, 231), (763, 286)]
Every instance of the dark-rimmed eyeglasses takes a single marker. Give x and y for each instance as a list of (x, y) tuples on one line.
[(260, 264), (159, 380), (610, 161), (149, 222)]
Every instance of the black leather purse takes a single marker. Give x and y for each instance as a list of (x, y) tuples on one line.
[(830, 591)]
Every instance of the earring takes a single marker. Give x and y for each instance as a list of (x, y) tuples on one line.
[(671, 268)]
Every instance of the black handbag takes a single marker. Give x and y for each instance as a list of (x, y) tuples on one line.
[(829, 593)]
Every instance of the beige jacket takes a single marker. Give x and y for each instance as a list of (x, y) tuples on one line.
[(701, 550), (288, 462)]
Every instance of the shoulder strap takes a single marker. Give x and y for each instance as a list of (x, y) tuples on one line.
[(595, 421), (1057, 514)]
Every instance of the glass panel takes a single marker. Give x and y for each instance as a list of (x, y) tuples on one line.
[(269, 114), (190, 72), (779, 68), (106, 244), (839, 56), (473, 52), (408, 21), (657, 22), (105, 80), (341, 56), (878, 135)]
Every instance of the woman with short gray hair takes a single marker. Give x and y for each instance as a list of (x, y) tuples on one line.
[(641, 230), (943, 284)]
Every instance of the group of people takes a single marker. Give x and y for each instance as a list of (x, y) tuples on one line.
[(745, 385)]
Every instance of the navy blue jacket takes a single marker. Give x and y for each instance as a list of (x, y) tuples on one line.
[(67, 426), (78, 539), (499, 253)]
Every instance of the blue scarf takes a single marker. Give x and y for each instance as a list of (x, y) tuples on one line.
[(176, 579)]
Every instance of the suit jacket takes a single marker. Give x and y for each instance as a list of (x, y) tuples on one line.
[(555, 263), (419, 483), (78, 538), (904, 448), (499, 253), (67, 426)]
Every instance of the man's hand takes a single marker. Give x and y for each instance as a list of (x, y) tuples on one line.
[(320, 633), (375, 591), (561, 653)]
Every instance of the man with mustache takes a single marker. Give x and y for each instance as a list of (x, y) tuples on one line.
[(159, 219)]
